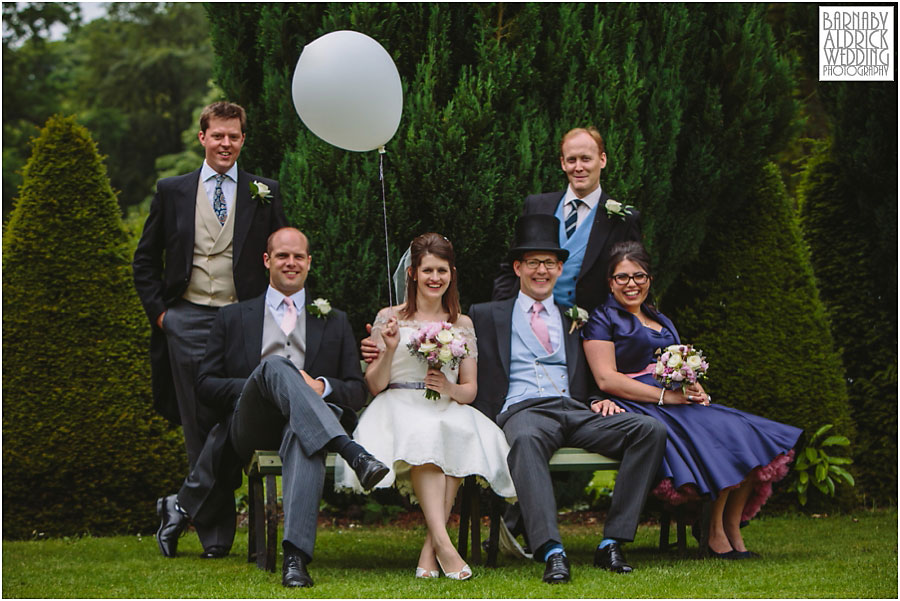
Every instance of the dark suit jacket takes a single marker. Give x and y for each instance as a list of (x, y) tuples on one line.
[(493, 329), (235, 344), (591, 288), (233, 352), (164, 257)]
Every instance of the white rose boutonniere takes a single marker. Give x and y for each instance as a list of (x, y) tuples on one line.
[(260, 192), (320, 308), (614, 207), (578, 316)]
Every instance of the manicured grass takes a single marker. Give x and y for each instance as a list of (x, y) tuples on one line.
[(845, 556)]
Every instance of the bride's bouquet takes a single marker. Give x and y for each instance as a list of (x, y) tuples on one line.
[(680, 365), (438, 344)]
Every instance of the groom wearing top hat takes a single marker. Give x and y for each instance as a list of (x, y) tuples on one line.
[(534, 381)]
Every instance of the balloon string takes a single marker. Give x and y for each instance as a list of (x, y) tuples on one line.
[(387, 256)]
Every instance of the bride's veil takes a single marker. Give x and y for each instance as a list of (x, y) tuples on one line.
[(400, 277)]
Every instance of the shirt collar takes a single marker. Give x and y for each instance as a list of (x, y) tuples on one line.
[(274, 298), (525, 302), (207, 172), (590, 200)]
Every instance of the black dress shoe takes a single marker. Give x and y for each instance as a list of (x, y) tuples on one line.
[(293, 572), (726, 555), (172, 523), (368, 470), (214, 552), (557, 570), (611, 558)]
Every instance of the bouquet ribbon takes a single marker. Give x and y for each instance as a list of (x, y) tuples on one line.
[(650, 369)]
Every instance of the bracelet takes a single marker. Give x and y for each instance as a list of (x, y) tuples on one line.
[(661, 393)]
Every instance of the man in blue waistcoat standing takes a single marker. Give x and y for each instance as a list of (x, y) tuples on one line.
[(590, 222)]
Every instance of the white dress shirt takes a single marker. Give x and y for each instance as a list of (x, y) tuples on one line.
[(229, 184)]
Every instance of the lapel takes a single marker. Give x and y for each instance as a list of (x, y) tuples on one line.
[(599, 233), (503, 312), (315, 329), (244, 209), (185, 215), (549, 203), (253, 312), (573, 342)]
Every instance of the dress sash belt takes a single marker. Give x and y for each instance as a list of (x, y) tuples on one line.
[(650, 369), (408, 385)]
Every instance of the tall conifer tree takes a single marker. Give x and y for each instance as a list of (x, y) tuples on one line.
[(83, 450)]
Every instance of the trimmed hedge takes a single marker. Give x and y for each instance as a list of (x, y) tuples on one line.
[(83, 451), (857, 281)]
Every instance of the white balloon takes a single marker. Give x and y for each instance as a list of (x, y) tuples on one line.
[(347, 91)]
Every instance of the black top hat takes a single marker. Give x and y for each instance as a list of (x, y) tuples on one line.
[(537, 232)]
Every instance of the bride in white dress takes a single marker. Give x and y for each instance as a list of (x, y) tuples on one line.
[(429, 445)]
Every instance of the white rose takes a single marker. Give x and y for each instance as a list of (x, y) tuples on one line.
[(583, 314), (660, 368), (446, 355), (427, 347), (262, 190), (613, 206), (694, 362), (445, 337), (674, 361), (322, 305)]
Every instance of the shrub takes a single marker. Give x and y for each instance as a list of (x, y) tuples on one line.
[(83, 450)]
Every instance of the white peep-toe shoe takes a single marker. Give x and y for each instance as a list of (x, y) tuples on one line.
[(464, 574), (423, 573)]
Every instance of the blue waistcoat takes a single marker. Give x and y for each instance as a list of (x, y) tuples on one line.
[(564, 290), (532, 372)]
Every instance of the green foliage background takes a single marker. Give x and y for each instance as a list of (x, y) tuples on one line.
[(82, 450), (691, 99)]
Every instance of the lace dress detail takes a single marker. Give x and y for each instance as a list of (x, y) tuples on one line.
[(402, 428)]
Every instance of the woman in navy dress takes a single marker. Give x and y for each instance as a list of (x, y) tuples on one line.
[(731, 455)]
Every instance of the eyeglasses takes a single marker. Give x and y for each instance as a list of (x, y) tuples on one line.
[(535, 263), (640, 278)]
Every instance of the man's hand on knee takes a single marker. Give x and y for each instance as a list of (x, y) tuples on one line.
[(317, 385), (605, 407)]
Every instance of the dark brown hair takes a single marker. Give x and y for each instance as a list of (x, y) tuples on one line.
[(440, 247), (223, 110), (591, 131), (628, 250)]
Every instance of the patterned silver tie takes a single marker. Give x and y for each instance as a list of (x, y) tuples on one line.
[(219, 205)]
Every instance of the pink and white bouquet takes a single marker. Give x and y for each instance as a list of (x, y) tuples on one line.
[(680, 365), (438, 344)]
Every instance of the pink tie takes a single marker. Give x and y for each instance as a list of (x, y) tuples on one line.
[(289, 320), (539, 326)]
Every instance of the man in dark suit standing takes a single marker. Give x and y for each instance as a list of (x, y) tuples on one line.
[(200, 250), (277, 374), (534, 381), (590, 223)]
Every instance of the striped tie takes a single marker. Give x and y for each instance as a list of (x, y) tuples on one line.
[(572, 218), (219, 205)]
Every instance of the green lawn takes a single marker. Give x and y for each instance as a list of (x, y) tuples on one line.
[(845, 556)]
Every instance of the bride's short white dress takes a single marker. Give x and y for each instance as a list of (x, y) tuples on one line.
[(401, 428)]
